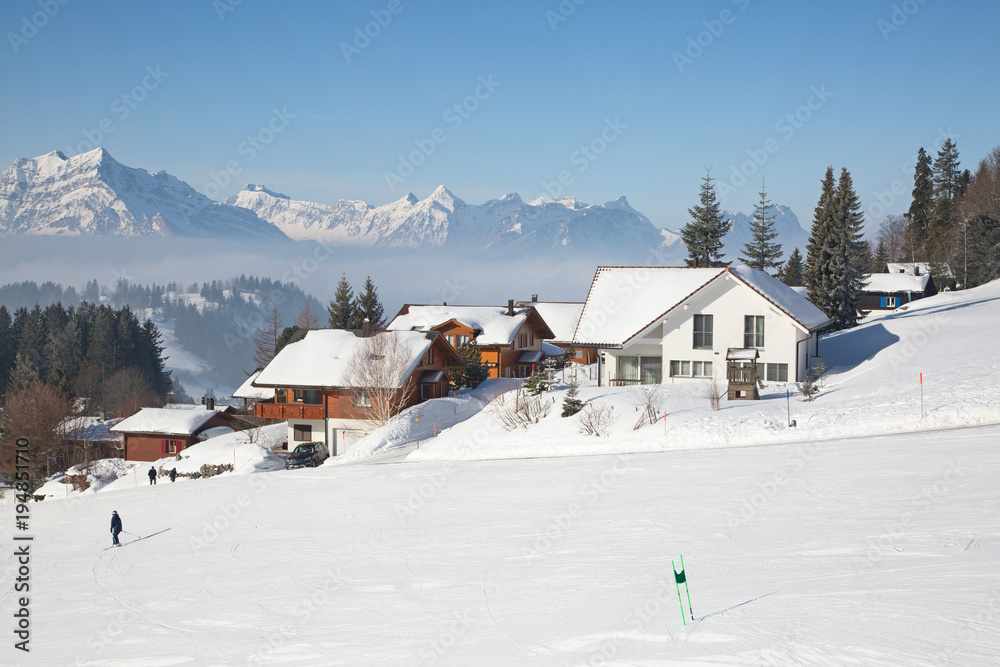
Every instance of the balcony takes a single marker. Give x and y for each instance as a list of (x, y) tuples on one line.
[(283, 411)]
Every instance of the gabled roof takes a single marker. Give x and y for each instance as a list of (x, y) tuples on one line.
[(320, 360), (247, 390), (165, 421), (91, 429), (492, 324), (897, 282), (561, 317), (916, 268), (626, 300)]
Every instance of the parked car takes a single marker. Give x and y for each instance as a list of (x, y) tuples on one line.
[(308, 454)]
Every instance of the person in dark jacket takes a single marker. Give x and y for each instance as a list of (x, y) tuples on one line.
[(152, 475), (173, 475), (116, 527)]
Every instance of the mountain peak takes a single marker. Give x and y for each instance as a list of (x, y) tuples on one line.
[(253, 187)]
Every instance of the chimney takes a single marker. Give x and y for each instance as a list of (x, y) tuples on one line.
[(209, 403), (534, 298), (916, 269), (510, 307), (366, 328)]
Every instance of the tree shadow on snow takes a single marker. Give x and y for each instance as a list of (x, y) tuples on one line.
[(847, 351)]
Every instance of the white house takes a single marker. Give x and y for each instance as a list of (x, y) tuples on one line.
[(660, 324)]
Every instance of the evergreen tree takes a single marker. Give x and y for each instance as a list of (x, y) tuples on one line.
[(842, 259), (473, 371), (880, 259), (762, 253), (533, 385), (343, 309), (285, 337), (369, 307), (923, 192), (791, 273), (823, 216), (8, 347), (947, 188), (571, 404), (703, 235)]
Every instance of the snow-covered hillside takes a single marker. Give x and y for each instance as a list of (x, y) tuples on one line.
[(93, 194)]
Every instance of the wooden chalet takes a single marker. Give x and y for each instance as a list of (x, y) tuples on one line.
[(153, 433), (510, 338)]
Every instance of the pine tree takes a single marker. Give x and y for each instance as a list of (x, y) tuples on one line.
[(533, 385), (947, 186), (762, 253), (822, 220), (343, 308), (8, 347), (473, 371), (923, 192), (791, 273), (842, 259), (880, 259), (703, 235), (369, 307), (571, 404)]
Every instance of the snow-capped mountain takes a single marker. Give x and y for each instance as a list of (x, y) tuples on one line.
[(93, 194), (444, 220), (791, 235)]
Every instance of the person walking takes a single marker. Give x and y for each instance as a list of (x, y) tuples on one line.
[(116, 527), (173, 475), (152, 475)]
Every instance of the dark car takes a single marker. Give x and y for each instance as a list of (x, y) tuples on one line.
[(309, 454)]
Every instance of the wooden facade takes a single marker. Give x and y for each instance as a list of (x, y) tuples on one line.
[(153, 446), (741, 374)]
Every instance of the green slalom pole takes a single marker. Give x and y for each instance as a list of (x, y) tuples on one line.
[(678, 585), (686, 590)]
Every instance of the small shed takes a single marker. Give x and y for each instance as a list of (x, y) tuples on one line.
[(741, 373)]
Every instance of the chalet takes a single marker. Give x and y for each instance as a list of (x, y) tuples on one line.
[(887, 291), (153, 433), (311, 385), (562, 318), (660, 324), (510, 339), (251, 394)]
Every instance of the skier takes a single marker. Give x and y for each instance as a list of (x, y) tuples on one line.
[(116, 527), (152, 475), (173, 475)]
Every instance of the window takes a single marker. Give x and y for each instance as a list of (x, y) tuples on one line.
[(753, 331), (309, 396), (776, 372), (429, 357), (578, 354), (302, 433), (689, 369), (460, 341), (173, 446), (427, 391), (523, 370), (362, 399), (644, 370), (703, 332), (628, 368), (525, 339), (890, 301)]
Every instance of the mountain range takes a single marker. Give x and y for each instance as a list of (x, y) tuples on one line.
[(93, 194)]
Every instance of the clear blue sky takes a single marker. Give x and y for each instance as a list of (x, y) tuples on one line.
[(560, 82)]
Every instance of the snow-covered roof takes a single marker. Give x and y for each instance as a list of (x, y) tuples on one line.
[(320, 360), (561, 317), (196, 406), (496, 327), (247, 390), (916, 268), (624, 301), (550, 350), (742, 354), (165, 421), (92, 429), (896, 282)]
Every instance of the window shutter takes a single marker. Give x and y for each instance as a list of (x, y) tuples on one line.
[(163, 446)]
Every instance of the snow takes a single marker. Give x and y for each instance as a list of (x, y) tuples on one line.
[(916, 268), (321, 359), (164, 420), (247, 390), (495, 325), (624, 300), (865, 535), (561, 318), (896, 282)]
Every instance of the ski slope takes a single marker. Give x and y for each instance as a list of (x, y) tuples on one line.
[(876, 551)]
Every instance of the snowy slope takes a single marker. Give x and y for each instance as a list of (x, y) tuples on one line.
[(862, 552), (93, 194)]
